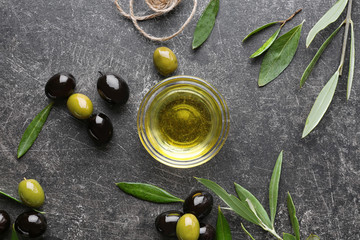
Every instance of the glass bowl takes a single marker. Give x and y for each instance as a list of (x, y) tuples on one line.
[(183, 121)]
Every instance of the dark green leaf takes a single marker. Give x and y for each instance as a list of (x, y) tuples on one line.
[(274, 187), (352, 61), (287, 236), (279, 55), (245, 194), (266, 45), (240, 207), (321, 104), (313, 237), (33, 130), (148, 192), (205, 24), (14, 234), (331, 16), (317, 56), (259, 29), (293, 218), (246, 231), (222, 227)]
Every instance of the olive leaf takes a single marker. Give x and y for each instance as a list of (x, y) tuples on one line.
[(274, 187), (321, 104), (13, 233), (33, 130), (287, 236), (293, 219), (317, 56), (238, 206), (279, 55), (267, 44), (148, 192), (222, 227), (245, 194), (17, 200), (260, 29), (330, 16), (246, 231), (313, 237), (205, 24), (352, 61)]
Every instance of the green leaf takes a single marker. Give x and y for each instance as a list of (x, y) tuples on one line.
[(331, 16), (222, 227), (148, 192), (293, 218), (352, 61), (279, 55), (259, 29), (321, 104), (266, 45), (14, 234), (246, 231), (313, 237), (239, 207), (317, 56), (17, 200), (33, 130), (274, 187), (245, 194), (287, 236), (205, 24)]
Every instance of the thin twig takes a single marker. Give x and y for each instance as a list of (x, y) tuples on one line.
[(346, 34), (291, 17)]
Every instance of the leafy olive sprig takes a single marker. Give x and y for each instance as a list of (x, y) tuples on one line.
[(327, 93), (155, 194), (279, 51), (249, 208)]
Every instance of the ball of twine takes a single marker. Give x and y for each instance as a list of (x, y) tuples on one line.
[(159, 7)]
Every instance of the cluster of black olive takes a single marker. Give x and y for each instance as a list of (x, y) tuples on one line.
[(28, 224), (111, 88), (199, 204)]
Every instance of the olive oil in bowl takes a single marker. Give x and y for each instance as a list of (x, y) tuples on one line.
[(183, 122)]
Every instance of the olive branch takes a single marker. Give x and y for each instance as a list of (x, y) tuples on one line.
[(327, 93)]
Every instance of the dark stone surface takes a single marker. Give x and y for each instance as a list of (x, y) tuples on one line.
[(41, 38)]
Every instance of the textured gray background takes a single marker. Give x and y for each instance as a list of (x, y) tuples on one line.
[(40, 38)]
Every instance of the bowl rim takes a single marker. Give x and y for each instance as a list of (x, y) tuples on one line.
[(191, 80)]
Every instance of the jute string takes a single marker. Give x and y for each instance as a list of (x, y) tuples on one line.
[(159, 7)]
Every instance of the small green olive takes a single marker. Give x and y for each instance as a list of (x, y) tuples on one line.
[(31, 193), (188, 227), (165, 61), (80, 106)]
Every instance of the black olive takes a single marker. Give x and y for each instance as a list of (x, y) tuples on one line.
[(30, 224), (207, 232), (113, 89), (100, 128), (60, 86), (198, 203), (166, 222), (4, 221)]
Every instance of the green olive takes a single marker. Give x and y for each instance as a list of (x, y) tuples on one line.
[(165, 61), (31, 193), (188, 227), (80, 106)]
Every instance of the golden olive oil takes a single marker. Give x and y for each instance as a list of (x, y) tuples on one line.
[(183, 122)]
